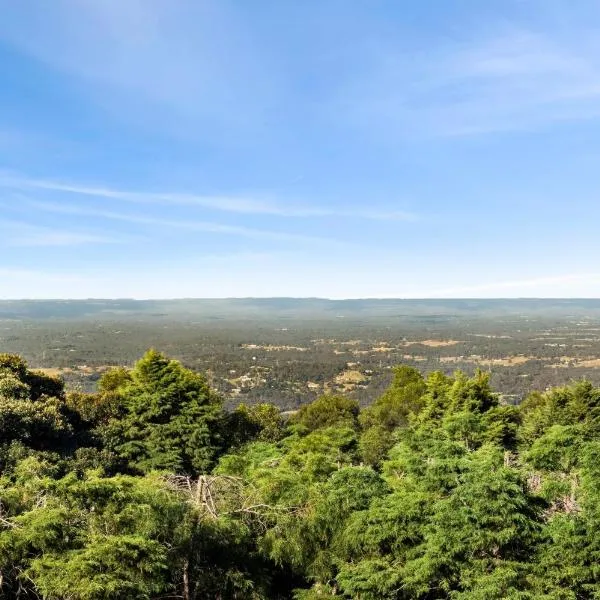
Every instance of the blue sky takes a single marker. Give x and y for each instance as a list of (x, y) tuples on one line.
[(373, 148)]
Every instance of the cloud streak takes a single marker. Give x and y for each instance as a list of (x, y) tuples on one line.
[(512, 78), (184, 225), (20, 234), (240, 205), (204, 69), (181, 67)]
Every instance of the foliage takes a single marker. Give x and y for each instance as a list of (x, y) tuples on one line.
[(148, 489), (33, 411), (327, 411), (257, 422), (403, 399), (171, 418)]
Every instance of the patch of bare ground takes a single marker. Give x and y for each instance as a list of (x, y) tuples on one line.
[(507, 361), (452, 359), (593, 363), (349, 380), (414, 357), (568, 361), (434, 343), (254, 378), (85, 369), (100, 369), (350, 376), (51, 371)]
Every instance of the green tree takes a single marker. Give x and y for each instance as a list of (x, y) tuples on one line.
[(33, 411), (567, 565), (172, 420), (485, 530), (254, 422), (327, 411), (578, 403), (403, 399)]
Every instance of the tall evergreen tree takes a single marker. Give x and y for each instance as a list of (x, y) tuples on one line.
[(172, 419)]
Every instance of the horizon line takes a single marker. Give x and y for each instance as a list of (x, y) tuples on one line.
[(329, 299)]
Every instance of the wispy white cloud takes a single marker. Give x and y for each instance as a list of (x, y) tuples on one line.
[(205, 69), (59, 238), (21, 234), (186, 225), (182, 66), (503, 77), (243, 205)]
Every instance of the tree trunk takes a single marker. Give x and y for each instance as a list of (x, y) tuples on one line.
[(186, 580)]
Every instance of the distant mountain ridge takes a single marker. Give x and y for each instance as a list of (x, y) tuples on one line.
[(290, 308)]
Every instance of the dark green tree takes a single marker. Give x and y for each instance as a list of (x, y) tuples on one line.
[(172, 420), (327, 411)]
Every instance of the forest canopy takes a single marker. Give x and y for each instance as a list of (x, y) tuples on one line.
[(149, 488)]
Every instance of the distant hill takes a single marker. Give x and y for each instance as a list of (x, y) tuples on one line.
[(290, 308)]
